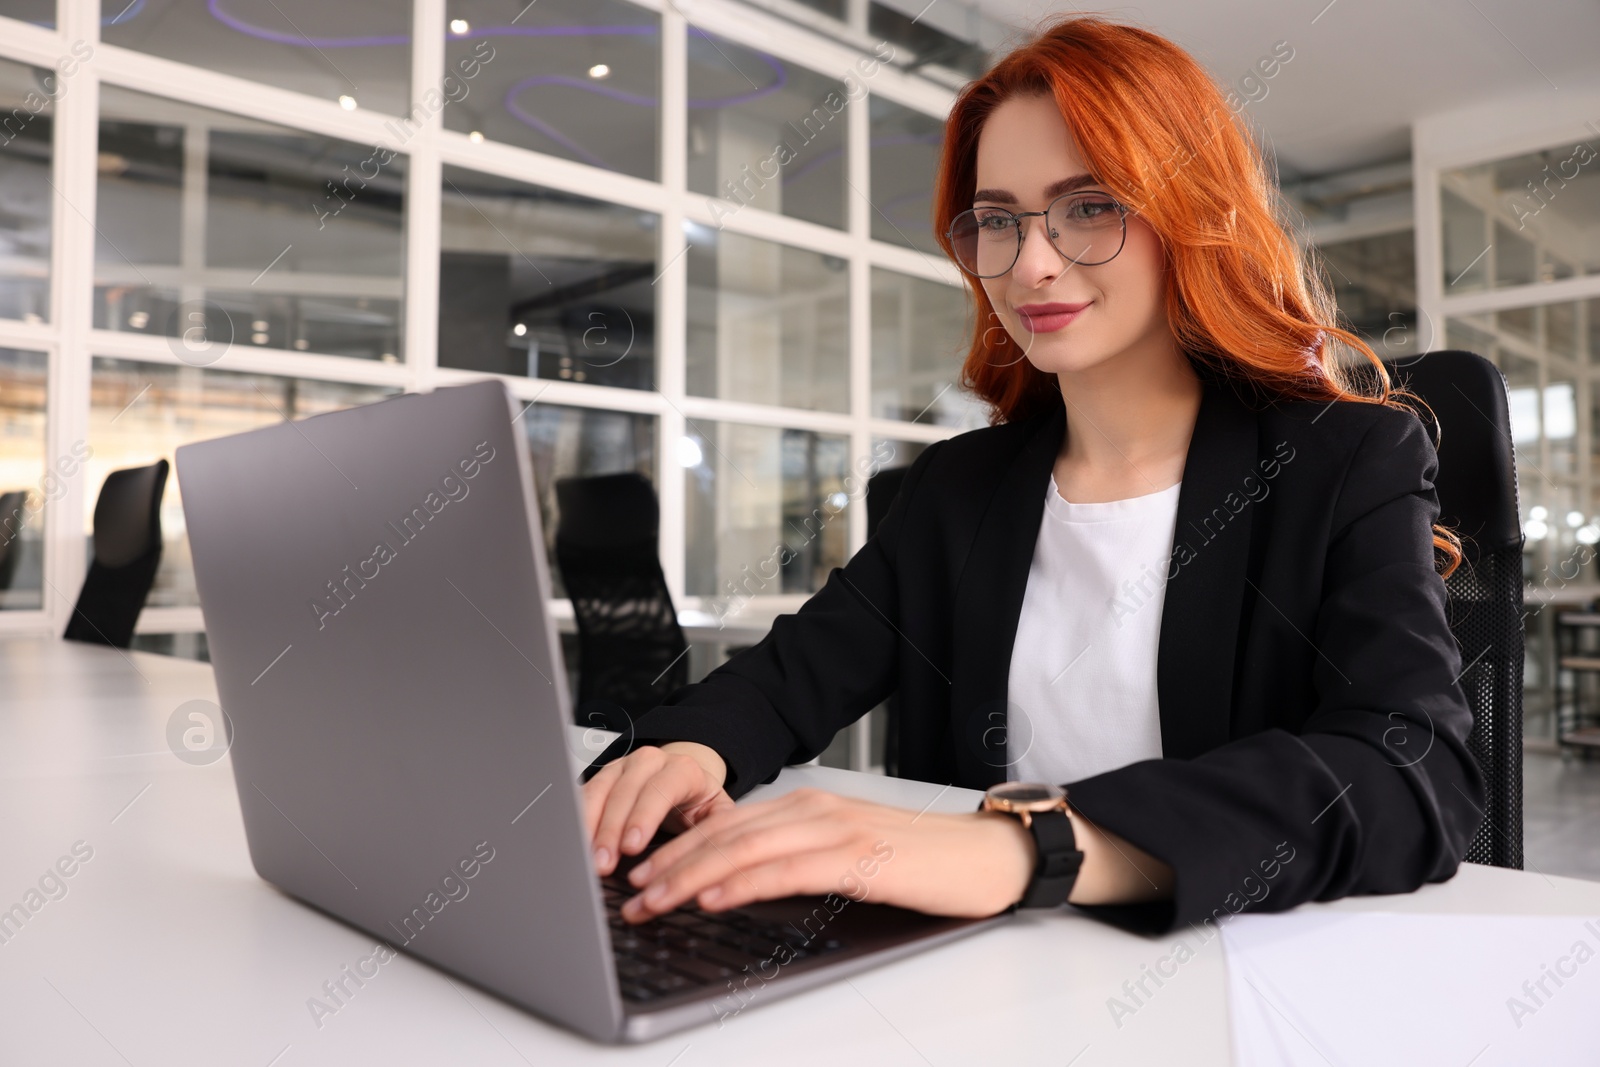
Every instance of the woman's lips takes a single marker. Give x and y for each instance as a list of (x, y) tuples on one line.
[(1048, 318)]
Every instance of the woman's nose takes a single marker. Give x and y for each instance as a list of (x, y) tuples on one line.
[(1038, 262)]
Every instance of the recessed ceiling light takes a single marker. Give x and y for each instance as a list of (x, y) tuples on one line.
[(459, 26), (519, 329), (347, 102), (476, 136), (259, 338), (599, 70)]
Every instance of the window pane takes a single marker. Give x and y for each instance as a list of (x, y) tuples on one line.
[(38, 12), (216, 230), (359, 49), (764, 132), (767, 509), (141, 412), (24, 480), (1375, 284), (567, 442), (768, 324), (28, 113), (579, 79), (920, 333), (544, 284), (1545, 207), (905, 157), (1466, 240)]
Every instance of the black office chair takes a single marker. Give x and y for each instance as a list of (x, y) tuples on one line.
[(1477, 488), (881, 491), (13, 516), (127, 551), (631, 650)]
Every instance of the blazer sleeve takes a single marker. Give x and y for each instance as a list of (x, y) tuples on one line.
[(1377, 792), (818, 670)]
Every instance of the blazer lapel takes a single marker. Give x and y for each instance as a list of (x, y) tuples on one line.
[(988, 604), (1201, 604), (1202, 601)]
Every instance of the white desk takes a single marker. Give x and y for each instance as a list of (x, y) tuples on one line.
[(167, 948)]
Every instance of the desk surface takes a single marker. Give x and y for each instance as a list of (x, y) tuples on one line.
[(168, 949)]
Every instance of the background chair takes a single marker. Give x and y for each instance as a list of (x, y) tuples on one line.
[(127, 551), (631, 650), (1477, 488), (12, 519), (881, 491)]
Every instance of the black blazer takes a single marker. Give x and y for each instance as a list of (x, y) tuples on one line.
[(1312, 728)]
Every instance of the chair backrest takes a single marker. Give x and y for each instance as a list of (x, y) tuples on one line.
[(12, 519), (127, 551), (630, 646), (1477, 488)]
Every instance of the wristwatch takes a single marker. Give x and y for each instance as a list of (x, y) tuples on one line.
[(1043, 811)]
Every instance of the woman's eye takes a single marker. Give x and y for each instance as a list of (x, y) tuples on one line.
[(994, 223), (1090, 207)]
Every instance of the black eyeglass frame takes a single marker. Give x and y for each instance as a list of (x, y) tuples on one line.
[(1018, 216)]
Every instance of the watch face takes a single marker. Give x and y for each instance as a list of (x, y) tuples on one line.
[(1026, 792)]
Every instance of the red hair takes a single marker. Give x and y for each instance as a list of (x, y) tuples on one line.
[(1242, 298)]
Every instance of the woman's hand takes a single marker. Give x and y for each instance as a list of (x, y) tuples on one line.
[(810, 841), (678, 784)]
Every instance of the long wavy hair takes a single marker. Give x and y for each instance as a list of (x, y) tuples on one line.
[(1242, 297)]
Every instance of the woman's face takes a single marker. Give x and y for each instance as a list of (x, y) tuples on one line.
[(1024, 150)]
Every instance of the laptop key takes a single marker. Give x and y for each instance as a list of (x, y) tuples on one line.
[(704, 971), (667, 982), (726, 957), (632, 991)]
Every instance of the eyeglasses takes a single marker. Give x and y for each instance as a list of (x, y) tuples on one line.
[(1087, 228)]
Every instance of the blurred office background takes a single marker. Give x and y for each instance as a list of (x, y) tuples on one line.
[(216, 214)]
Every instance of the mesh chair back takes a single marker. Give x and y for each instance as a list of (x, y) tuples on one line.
[(1477, 487), (13, 517), (630, 646), (127, 551)]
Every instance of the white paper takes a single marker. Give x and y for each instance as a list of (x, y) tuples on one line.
[(1331, 989)]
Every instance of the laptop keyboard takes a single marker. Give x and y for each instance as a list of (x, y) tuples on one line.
[(691, 949)]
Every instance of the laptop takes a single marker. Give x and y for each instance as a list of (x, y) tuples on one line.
[(375, 593)]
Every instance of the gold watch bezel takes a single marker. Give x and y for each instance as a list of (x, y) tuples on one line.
[(1025, 809)]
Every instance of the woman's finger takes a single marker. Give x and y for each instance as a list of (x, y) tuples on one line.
[(726, 820), (729, 856), (639, 767)]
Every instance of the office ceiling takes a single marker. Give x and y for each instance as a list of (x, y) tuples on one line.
[(1364, 69)]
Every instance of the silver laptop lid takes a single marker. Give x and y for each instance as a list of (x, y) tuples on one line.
[(374, 588)]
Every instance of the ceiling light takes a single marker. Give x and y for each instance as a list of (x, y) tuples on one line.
[(519, 329), (459, 26), (476, 136), (689, 453), (259, 338), (1574, 519), (599, 70), (347, 102)]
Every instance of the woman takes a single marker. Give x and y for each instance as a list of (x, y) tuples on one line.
[(1189, 573)]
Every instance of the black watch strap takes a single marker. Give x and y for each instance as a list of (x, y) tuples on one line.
[(1058, 861)]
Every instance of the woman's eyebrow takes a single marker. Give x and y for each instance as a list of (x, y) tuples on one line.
[(1055, 189)]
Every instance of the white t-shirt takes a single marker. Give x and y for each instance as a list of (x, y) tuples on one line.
[(1082, 686)]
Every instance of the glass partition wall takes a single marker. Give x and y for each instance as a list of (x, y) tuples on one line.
[(1517, 273), (693, 247)]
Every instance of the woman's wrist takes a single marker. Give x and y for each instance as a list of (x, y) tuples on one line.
[(1012, 856), (1114, 871)]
